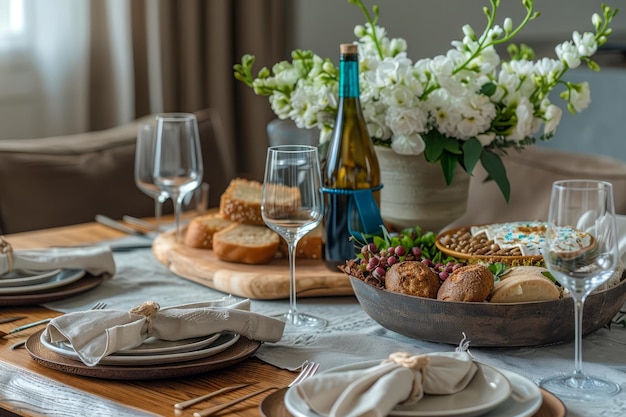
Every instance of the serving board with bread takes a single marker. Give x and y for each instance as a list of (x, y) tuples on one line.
[(231, 250)]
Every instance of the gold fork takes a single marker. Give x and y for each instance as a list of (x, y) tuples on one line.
[(97, 306), (309, 369)]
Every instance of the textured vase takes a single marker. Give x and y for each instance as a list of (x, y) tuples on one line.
[(415, 192)]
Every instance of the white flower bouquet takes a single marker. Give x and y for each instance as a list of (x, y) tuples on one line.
[(461, 108)]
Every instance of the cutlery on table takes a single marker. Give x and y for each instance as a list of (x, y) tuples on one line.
[(107, 221), (97, 306), (189, 403), (10, 319), (139, 222), (308, 370)]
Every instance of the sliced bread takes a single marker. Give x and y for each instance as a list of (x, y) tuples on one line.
[(309, 247), (241, 202), (246, 243), (201, 229)]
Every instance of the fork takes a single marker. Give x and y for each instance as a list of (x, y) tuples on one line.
[(309, 369), (97, 306)]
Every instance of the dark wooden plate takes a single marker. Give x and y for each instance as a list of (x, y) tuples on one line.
[(84, 284), (236, 353), (486, 324)]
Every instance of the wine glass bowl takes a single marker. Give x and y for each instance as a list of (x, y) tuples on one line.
[(581, 251), (178, 167), (292, 206), (144, 168)]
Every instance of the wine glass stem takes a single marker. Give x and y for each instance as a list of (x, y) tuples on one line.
[(578, 329), (293, 310), (158, 211), (178, 208)]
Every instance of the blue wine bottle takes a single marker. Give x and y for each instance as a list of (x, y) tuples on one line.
[(351, 171)]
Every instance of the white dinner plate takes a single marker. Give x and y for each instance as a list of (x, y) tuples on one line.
[(223, 342), (155, 346), (24, 277), (524, 401), (488, 389), (64, 277)]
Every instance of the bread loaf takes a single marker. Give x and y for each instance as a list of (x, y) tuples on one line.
[(413, 278), (201, 229), (468, 283), (241, 202), (523, 284), (309, 247), (245, 243)]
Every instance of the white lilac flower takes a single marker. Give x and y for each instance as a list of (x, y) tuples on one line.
[(552, 116), (567, 53), (580, 96), (524, 126), (477, 113), (585, 44), (408, 144)]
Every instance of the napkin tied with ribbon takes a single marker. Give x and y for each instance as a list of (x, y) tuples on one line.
[(95, 334), (403, 378), (96, 260)]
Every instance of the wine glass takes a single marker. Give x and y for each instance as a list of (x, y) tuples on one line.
[(178, 159), (292, 206), (144, 168), (580, 250)]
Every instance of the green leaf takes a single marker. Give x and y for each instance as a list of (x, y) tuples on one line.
[(472, 149), (448, 165), (451, 145), (434, 145), (488, 89), (495, 168)]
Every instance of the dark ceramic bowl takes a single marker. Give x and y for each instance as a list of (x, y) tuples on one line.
[(486, 324)]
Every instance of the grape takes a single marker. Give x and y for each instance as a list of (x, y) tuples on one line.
[(391, 260), (400, 251)]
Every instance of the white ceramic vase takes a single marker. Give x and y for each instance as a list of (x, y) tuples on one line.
[(415, 192)]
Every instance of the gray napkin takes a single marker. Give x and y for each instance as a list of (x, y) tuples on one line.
[(96, 260), (95, 334), (375, 391)]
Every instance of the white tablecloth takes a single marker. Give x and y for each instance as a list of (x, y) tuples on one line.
[(352, 336)]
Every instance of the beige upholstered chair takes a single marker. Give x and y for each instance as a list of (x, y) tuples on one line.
[(531, 174), (64, 180)]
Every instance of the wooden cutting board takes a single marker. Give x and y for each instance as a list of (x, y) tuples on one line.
[(259, 282)]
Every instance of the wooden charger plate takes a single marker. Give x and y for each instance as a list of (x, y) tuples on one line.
[(274, 405), (260, 282), (238, 352), (84, 284)]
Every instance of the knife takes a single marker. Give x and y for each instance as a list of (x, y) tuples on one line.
[(10, 319), (107, 221)]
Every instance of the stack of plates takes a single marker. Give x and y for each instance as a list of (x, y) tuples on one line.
[(155, 351), (492, 392), (25, 286)]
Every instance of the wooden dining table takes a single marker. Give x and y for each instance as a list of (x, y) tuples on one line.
[(29, 389)]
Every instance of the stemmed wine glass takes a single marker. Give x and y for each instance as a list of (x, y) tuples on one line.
[(292, 206), (178, 159), (144, 168), (580, 250)]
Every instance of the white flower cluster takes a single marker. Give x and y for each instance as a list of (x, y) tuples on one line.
[(464, 107), (402, 100)]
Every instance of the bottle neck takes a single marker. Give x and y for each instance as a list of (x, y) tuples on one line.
[(349, 76)]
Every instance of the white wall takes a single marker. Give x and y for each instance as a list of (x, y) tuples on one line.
[(429, 26)]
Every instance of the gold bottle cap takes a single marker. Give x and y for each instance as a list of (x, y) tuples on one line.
[(348, 48)]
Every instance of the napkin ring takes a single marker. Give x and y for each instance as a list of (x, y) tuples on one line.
[(417, 364), (149, 309), (7, 250)]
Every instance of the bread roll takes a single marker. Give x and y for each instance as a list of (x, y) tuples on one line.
[(523, 284), (468, 283), (413, 278), (201, 229), (245, 243)]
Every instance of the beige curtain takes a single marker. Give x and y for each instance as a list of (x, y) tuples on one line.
[(182, 58)]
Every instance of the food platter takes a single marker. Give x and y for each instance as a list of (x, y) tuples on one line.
[(486, 324)]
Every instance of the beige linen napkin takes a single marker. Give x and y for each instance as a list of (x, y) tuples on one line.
[(375, 391), (95, 334), (96, 260)]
